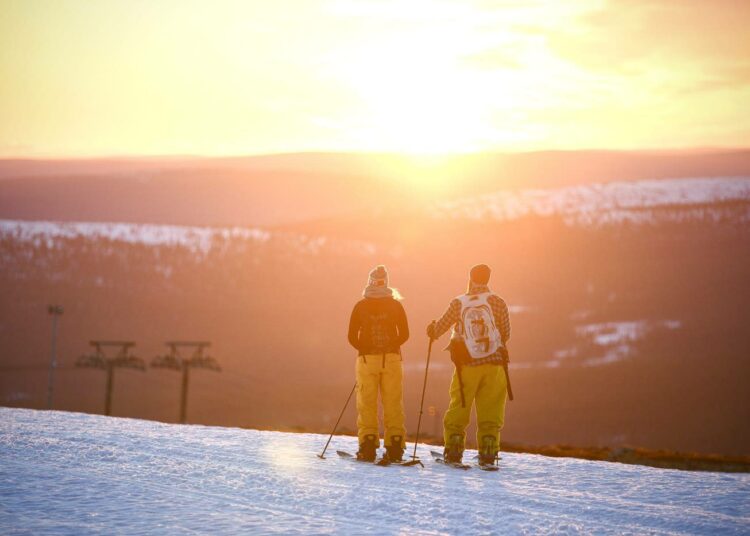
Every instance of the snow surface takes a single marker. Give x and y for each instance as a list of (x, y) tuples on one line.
[(610, 203), (68, 473)]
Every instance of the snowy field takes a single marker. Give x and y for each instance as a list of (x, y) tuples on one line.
[(68, 473)]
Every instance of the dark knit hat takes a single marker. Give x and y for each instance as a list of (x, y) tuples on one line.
[(378, 277), (480, 274)]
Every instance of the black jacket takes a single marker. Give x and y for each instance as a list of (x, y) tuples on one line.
[(377, 326)]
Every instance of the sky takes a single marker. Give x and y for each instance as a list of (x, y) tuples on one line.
[(226, 77)]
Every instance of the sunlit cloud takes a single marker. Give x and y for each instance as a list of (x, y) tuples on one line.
[(428, 76)]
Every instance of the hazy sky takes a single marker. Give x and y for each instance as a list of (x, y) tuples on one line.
[(114, 77)]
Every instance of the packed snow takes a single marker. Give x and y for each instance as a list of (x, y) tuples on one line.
[(611, 203), (67, 473)]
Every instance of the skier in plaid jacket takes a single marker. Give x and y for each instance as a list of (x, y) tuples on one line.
[(478, 380)]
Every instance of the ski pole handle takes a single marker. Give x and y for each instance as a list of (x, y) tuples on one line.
[(431, 330)]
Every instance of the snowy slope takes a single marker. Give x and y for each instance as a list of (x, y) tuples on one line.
[(67, 473)]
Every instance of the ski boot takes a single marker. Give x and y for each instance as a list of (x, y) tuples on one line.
[(454, 450), (395, 451), (488, 450), (368, 448)]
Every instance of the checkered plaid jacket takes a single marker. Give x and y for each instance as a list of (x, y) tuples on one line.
[(499, 310)]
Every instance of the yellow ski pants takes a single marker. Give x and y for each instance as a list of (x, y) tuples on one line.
[(380, 373), (486, 386)]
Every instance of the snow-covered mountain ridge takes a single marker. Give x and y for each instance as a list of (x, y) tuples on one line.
[(197, 240), (612, 203), (638, 202), (85, 474)]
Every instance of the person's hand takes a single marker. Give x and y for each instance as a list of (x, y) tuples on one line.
[(431, 330)]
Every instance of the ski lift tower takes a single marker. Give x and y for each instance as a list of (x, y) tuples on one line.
[(99, 360), (175, 361)]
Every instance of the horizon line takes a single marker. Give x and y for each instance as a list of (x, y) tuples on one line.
[(427, 156)]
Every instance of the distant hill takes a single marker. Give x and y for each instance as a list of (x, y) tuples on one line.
[(283, 189)]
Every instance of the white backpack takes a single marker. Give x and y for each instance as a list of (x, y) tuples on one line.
[(476, 326)]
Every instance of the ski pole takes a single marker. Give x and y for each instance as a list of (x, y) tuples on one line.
[(414, 459), (322, 454)]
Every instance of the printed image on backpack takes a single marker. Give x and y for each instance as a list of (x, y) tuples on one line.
[(477, 326)]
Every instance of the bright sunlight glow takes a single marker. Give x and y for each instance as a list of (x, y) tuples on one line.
[(424, 77)]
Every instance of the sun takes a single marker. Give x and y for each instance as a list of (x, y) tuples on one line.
[(417, 99)]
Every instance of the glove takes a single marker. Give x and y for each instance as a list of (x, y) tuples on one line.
[(431, 330)]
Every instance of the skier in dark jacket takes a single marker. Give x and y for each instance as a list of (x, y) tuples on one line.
[(377, 329)]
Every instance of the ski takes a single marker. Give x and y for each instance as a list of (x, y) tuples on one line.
[(385, 462), (382, 462), (438, 457), (477, 457), (347, 455), (488, 467)]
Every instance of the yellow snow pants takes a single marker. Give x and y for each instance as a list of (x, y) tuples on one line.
[(486, 386), (380, 373)]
